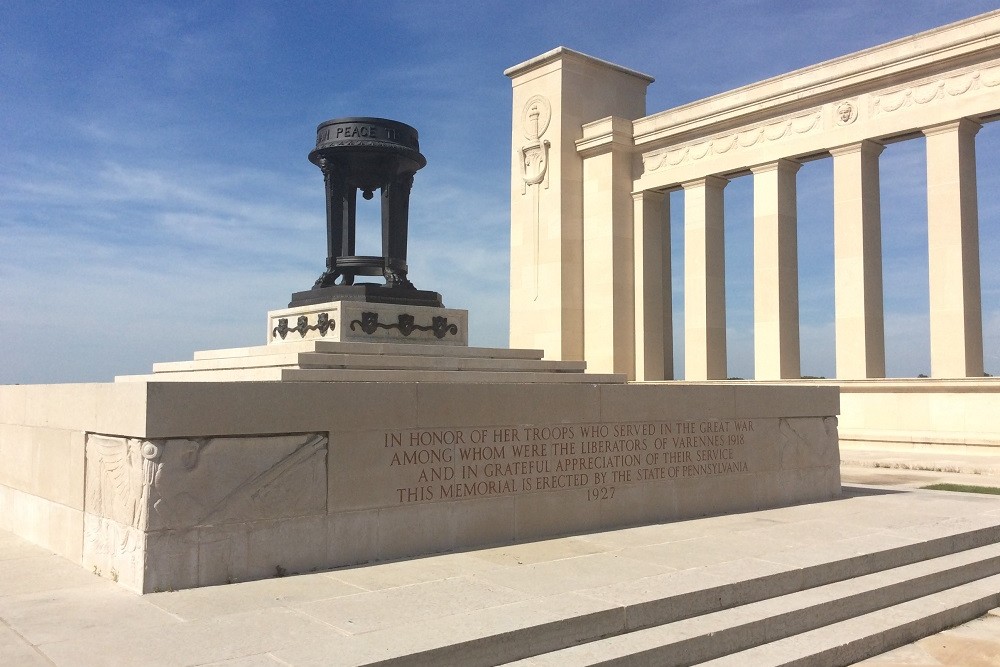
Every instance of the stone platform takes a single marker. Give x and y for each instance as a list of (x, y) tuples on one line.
[(317, 451), (171, 485), (759, 588), (313, 360)]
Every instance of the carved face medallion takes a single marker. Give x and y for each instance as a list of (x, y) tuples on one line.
[(846, 113)]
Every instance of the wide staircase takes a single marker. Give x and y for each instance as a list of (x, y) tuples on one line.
[(832, 607)]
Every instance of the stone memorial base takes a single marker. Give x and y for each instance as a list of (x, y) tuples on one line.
[(170, 485), (370, 431), (369, 322)]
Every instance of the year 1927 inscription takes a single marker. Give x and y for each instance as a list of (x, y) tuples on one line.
[(449, 464)]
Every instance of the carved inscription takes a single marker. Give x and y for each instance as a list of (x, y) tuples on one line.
[(450, 464)]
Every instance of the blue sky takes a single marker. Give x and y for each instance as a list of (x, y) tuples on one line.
[(156, 199)]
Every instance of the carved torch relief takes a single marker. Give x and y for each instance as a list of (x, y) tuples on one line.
[(533, 158)]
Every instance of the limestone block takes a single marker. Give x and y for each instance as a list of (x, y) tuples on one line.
[(44, 462), (218, 408), (808, 443), (644, 402), (715, 495), (351, 537), (54, 526), (13, 404), (17, 455), (509, 403), (211, 555), (784, 400), (410, 529), (174, 513), (555, 513), (484, 521), (118, 551), (280, 547)]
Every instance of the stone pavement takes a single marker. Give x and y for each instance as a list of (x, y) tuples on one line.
[(951, 462), (53, 612)]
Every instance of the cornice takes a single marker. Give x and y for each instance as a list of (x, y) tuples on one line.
[(961, 43), (566, 54)]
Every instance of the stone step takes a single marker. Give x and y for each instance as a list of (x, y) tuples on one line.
[(746, 634), (291, 374), (867, 635), (356, 375), (711, 614), (265, 374), (371, 361), (337, 347)]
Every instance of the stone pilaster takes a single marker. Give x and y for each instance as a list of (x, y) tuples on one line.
[(554, 95), (608, 273)]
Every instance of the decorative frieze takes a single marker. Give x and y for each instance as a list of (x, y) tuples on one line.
[(933, 90), (750, 137), (874, 114)]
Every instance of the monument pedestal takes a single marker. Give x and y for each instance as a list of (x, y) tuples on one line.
[(369, 322), (366, 429), (338, 453)]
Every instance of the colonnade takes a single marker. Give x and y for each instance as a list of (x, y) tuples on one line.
[(591, 173), (953, 266)]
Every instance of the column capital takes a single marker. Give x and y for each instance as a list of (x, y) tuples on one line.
[(706, 182), (605, 134), (783, 164), (962, 125), (654, 196), (867, 147)]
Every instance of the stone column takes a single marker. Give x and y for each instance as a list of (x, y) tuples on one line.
[(953, 245), (608, 294), (554, 95), (775, 271), (704, 280), (857, 252), (654, 330)]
